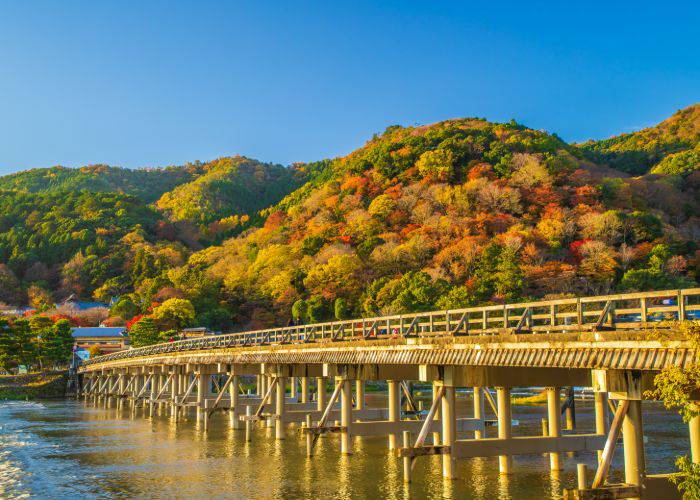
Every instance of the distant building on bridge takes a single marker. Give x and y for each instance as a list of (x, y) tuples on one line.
[(107, 339), (195, 332)]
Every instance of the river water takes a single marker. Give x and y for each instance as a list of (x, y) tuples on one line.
[(68, 449)]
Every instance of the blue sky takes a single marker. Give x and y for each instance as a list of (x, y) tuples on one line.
[(159, 83)]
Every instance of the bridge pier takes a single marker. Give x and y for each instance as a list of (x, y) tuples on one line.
[(554, 420), (394, 409), (359, 395), (505, 429), (279, 407), (174, 393), (479, 411), (694, 427), (304, 389), (633, 442), (449, 434), (345, 415), (320, 393), (601, 416)]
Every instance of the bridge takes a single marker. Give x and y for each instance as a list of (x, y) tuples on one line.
[(614, 344)]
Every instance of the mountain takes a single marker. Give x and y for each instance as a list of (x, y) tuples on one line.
[(146, 184), (451, 214), (670, 148), (228, 186)]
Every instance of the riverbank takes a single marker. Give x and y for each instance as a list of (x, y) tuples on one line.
[(44, 385)]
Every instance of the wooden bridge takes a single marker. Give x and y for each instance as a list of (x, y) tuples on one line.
[(614, 344)]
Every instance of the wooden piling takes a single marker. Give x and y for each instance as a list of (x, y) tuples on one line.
[(504, 426), (394, 409), (554, 419)]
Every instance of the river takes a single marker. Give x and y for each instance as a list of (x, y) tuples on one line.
[(69, 449)]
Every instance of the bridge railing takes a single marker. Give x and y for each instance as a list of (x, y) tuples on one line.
[(605, 312)]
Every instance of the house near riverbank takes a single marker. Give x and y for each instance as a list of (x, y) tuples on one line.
[(107, 339)]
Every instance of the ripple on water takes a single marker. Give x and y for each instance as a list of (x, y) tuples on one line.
[(69, 449)]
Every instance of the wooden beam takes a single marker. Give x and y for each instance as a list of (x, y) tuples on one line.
[(526, 445), (222, 391), (422, 451), (425, 429), (609, 449)]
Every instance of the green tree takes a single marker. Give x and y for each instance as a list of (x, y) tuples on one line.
[(437, 164), (10, 290), (174, 314), (8, 346), (317, 309), (299, 310), (25, 344), (57, 346), (342, 309), (125, 308), (144, 332)]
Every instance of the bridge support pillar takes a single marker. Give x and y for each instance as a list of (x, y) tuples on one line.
[(479, 411), (570, 409), (394, 409), (601, 416), (359, 394), (202, 389), (174, 392), (449, 430), (436, 435), (122, 385), (233, 392), (304, 389), (554, 420), (152, 397), (694, 426), (505, 462), (633, 441), (345, 416), (279, 407), (293, 388), (320, 393)]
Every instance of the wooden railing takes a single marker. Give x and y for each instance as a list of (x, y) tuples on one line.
[(606, 312)]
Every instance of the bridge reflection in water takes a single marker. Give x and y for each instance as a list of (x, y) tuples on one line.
[(609, 343)]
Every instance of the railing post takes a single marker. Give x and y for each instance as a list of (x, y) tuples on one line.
[(579, 313), (681, 306)]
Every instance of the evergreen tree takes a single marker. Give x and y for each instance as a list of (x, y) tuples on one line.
[(144, 332)]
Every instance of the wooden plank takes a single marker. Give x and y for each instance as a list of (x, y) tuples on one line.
[(526, 445), (422, 451), (605, 493)]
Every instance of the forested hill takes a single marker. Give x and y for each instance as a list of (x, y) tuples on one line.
[(452, 214), (669, 148), (146, 184)]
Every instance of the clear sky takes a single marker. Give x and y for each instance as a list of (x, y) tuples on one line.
[(159, 83)]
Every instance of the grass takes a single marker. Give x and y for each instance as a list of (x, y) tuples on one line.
[(534, 400)]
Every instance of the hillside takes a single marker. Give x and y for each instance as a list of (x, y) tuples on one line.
[(146, 184), (452, 214), (670, 148), (228, 186)]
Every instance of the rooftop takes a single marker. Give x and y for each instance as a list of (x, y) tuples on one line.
[(99, 331)]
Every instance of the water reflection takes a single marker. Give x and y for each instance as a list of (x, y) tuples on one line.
[(72, 449)]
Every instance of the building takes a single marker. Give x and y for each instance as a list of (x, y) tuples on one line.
[(107, 339), (195, 332)]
